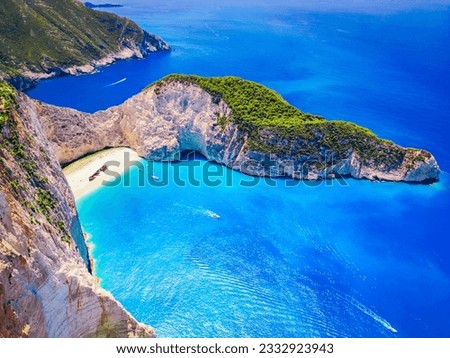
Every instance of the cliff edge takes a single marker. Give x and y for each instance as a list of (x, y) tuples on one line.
[(45, 285), (46, 289), (240, 124)]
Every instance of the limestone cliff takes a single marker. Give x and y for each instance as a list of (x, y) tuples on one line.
[(175, 115), (46, 289)]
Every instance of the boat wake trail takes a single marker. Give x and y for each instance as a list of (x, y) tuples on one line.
[(370, 313), (116, 83)]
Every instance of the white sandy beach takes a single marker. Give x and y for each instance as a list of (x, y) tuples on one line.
[(79, 172)]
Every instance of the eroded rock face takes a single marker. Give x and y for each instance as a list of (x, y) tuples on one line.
[(46, 289), (162, 121), (128, 49)]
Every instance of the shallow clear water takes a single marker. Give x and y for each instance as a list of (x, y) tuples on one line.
[(355, 260), (286, 261)]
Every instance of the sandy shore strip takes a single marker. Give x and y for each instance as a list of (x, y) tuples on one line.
[(87, 174)]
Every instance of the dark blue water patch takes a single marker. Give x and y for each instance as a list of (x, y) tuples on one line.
[(90, 93)]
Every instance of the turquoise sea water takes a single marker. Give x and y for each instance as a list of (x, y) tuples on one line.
[(312, 259), (362, 259)]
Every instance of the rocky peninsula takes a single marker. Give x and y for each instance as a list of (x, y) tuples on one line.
[(238, 123)]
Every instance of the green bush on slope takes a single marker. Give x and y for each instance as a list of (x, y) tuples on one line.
[(6, 99)]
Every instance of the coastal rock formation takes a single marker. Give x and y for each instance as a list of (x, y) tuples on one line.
[(46, 289), (175, 115), (57, 37)]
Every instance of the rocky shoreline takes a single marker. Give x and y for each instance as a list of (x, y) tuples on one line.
[(46, 287), (169, 118), (151, 43)]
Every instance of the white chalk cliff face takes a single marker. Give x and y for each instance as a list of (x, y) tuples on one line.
[(164, 120), (46, 289)]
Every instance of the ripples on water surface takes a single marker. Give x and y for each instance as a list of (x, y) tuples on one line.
[(365, 259)]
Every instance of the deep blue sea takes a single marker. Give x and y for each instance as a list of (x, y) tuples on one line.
[(356, 260)]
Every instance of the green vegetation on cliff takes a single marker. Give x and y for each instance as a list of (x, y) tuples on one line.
[(253, 104), (273, 125), (41, 35), (6, 100), (17, 146)]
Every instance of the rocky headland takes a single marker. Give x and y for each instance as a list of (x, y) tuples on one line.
[(182, 113), (64, 37)]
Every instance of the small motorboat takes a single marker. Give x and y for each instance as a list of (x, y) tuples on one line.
[(212, 214)]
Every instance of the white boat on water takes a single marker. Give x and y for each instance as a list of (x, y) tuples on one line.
[(212, 214)]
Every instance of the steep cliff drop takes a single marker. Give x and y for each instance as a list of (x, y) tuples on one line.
[(46, 289), (240, 124)]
